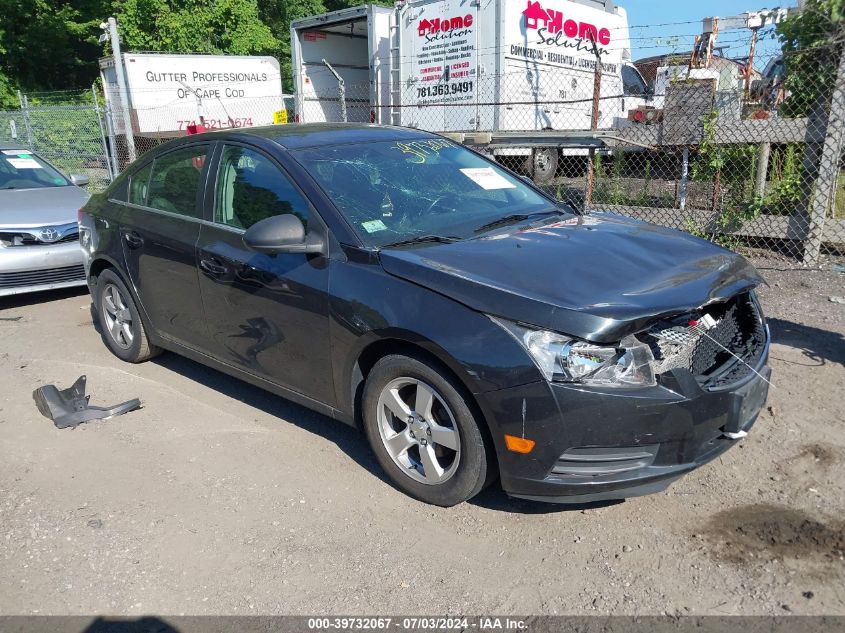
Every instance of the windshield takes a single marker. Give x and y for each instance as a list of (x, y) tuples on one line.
[(393, 191), (21, 169)]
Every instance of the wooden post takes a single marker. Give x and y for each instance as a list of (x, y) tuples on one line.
[(717, 189), (749, 67), (828, 168)]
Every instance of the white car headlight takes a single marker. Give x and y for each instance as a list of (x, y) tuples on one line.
[(565, 359)]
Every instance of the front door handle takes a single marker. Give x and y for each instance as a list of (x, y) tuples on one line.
[(134, 239), (212, 267)]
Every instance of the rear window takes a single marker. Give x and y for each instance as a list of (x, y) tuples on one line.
[(21, 169)]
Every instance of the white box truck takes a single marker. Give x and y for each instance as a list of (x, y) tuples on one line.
[(468, 65), (168, 92)]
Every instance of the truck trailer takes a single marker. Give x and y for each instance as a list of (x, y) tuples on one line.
[(469, 66)]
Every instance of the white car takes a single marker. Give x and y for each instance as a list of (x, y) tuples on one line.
[(39, 234)]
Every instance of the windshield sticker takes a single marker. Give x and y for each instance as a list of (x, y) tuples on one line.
[(421, 150), (24, 163), (16, 152), (373, 226), (487, 178)]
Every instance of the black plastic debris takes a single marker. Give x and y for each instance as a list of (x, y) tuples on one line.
[(68, 408)]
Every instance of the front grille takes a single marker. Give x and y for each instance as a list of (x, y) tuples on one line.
[(42, 277), (25, 238), (719, 344)]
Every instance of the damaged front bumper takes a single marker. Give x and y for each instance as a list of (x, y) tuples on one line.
[(602, 444)]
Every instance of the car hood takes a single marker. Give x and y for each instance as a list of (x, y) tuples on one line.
[(22, 208), (598, 277)]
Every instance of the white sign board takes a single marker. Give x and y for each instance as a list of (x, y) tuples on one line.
[(549, 52), (439, 66), (165, 91), (561, 33), (445, 63)]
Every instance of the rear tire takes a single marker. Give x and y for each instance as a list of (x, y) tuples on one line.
[(423, 432), (120, 323)]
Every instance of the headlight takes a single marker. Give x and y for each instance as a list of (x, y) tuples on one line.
[(565, 359)]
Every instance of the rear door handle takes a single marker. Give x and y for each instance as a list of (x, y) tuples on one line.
[(134, 239), (212, 267)]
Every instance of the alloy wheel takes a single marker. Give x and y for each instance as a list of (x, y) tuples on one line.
[(117, 317), (418, 430)]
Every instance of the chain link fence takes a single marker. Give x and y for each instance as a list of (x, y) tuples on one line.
[(741, 144), (747, 155), (67, 129)]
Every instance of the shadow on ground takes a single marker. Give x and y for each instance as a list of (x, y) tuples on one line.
[(818, 345), (12, 302), (347, 439)]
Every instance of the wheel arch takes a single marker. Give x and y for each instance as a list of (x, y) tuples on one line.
[(98, 265), (104, 262), (428, 353)]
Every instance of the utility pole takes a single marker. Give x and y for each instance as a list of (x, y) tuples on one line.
[(113, 37)]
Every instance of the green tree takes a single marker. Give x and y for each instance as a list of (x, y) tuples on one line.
[(194, 26), (812, 43), (47, 45)]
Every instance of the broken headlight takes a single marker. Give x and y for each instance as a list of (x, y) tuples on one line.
[(562, 358)]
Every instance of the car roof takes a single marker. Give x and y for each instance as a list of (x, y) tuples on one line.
[(15, 148), (301, 135)]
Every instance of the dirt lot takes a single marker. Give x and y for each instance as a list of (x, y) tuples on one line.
[(219, 498)]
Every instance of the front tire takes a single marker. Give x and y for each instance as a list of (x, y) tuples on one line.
[(120, 323), (423, 433)]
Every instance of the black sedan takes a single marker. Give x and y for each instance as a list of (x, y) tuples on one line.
[(472, 325)]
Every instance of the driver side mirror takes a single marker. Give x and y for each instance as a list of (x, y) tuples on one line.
[(79, 180), (282, 234)]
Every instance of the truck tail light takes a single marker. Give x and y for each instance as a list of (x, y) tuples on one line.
[(372, 116)]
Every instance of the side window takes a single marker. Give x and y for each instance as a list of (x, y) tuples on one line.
[(251, 188), (632, 83), (139, 184), (118, 190), (176, 180)]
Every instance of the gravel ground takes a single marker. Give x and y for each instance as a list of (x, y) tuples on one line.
[(218, 498)]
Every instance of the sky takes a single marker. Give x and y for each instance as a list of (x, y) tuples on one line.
[(670, 26)]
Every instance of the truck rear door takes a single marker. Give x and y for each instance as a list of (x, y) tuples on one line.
[(336, 42)]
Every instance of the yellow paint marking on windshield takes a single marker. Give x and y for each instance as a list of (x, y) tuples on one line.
[(421, 150)]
